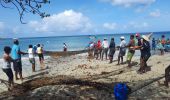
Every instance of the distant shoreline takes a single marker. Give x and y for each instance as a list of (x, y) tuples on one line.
[(88, 35)]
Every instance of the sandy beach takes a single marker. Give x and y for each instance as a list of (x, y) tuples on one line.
[(94, 75)]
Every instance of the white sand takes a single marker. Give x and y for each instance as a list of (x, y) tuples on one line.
[(81, 67)]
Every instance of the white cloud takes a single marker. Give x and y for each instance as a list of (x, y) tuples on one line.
[(1, 26), (110, 26), (136, 25), (129, 3), (67, 21), (155, 13), (16, 30)]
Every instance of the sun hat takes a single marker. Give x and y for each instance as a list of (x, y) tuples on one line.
[(147, 37), (122, 37)]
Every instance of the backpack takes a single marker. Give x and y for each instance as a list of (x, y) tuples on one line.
[(121, 91)]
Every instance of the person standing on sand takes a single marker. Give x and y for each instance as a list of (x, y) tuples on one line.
[(131, 50), (160, 47), (163, 41), (64, 47), (112, 49), (145, 54), (7, 66), (122, 50), (35, 49), (95, 50), (31, 57), (16, 56), (90, 49), (40, 55), (153, 44), (99, 49), (105, 46)]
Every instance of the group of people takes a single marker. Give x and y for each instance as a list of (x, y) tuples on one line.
[(13, 55), (136, 42), (161, 44)]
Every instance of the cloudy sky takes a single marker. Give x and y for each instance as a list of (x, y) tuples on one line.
[(82, 17)]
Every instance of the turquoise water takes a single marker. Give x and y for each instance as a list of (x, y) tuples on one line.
[(73, 42)]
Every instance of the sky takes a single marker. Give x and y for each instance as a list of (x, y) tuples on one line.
[(87, 17)]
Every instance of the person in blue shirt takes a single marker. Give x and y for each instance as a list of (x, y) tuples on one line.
[(153, 44), (16, 56)]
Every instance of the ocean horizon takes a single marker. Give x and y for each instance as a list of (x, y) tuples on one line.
[(78, 42)]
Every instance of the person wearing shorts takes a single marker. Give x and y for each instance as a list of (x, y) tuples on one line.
[(31, 57), (122, 50), (145, 54), (16, 56), (7, 66), (40, 55), (131, 50), (105, 46)]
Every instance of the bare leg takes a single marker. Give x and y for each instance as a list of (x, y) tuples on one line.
[(16, 75), (33, 67), (20, 74), (121, 59), (118, 60)]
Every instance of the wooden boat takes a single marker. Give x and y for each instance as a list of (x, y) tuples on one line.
[(62, 53)]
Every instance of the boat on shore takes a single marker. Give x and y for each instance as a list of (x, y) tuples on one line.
[(63, 53)]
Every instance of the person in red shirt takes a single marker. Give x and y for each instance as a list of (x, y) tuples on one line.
[(99, 48), (163, 41)]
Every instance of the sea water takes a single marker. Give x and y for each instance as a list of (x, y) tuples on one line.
[(73, 42)]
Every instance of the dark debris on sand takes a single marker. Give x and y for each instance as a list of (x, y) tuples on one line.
[(71, 89)]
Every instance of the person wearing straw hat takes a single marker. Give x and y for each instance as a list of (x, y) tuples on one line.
[(145, 54), (122, 50)]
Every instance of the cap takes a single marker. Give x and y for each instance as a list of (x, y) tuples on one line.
[(122, 37), (137, 34)]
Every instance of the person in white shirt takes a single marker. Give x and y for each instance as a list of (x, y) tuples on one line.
[(6, 66), (122, 49), (31, 57), (105, 46)]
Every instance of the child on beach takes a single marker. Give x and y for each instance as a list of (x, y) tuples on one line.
[(7, 66), (40, 55), (31, 57)]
